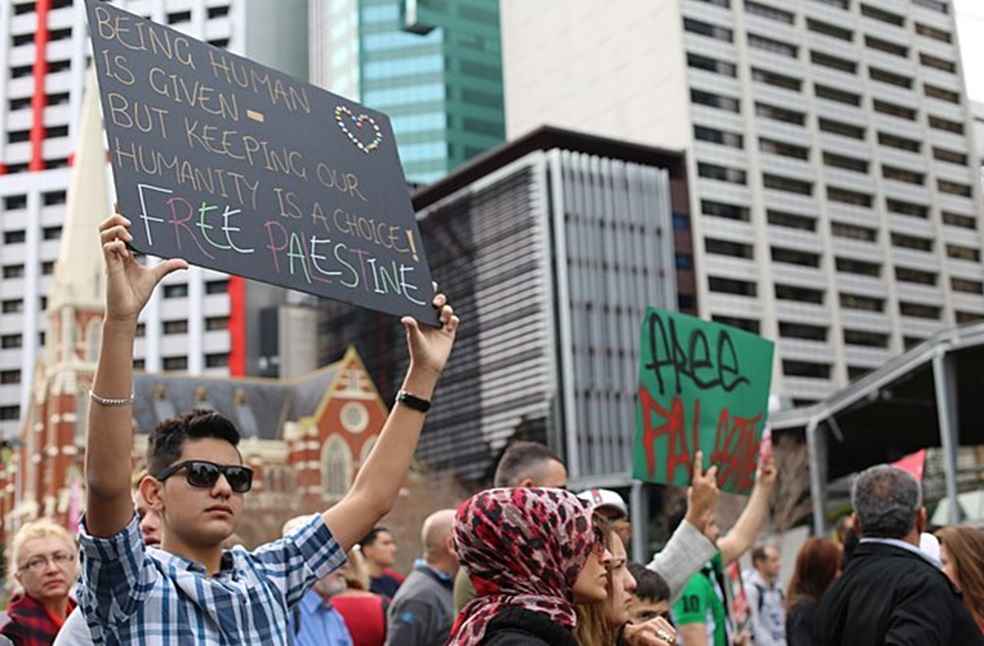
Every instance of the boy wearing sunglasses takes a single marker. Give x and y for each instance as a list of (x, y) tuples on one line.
[(191, 591)]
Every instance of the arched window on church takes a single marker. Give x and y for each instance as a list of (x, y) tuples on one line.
[(336, 467), (93, 337)]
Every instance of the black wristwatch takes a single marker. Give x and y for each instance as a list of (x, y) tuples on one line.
[(412, 401)]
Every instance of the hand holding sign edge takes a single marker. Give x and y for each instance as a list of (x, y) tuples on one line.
[(429, 347), (702, 495)]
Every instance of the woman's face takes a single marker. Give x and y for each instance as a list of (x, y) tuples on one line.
[(591, 585), (47, 568), (949, 566), (623, 585)]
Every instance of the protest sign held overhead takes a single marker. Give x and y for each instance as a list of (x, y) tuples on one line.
[(705, 386), (235, 166)]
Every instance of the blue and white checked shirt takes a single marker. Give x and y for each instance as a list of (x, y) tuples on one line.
[(132, 594)]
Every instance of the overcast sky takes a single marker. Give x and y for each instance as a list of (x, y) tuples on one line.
[(970, 31)]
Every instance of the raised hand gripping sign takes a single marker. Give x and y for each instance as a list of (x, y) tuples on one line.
[(237, 167), (704, 386)]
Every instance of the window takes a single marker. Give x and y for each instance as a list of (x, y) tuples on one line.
[(51, 198), (854, 198), (724, 138), (909, 342), (906, 241), (776, 79), (10, 377), (853, 232), (791, 220), (833, 62), (787, 184), (767, 111), (217, 286), (728, 248), (903, 175), (731, 286), (20, 103), (963, 253), (940, 123), (14, 237), (10, 341), (176, 363), (215, 323), (942, 94), (765, 11), (880, 14), (795, 257), (894, 109), (715, 100), (966, 285), (176, 327), (12, 305), (791, 368), (799, 294), (52, 233), (684, 261), (841, 128), (14, 202), (855, 266), (902, 143), (840, 4), (919, 311), (859, 302), (907, 208), (718, 3), (179, 290), (141, 330), (953, 188), (969, 317), (774, 46), (723, 210), (138, 364), (21, 71), (802, 331), (932, 5), (18, 136), (886, 46), (919, 277), (708, 64), (827, 29), (959, 220), (784, 149), (934, 33), (59, 66), (222, 43), (218, 12), (891, 78), (8, 413), (941, 64), (749, 325), (722, 173), (47, 267), (949, 156), (336, 467), (216, 359), (178, 16), (708, 29), (13, 271), (60, 34), (844, 162), (857, 372), (59, 98), (22, 39), (834, 94), (866, 338)]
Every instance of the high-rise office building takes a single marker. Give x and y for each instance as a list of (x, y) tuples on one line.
[(835, 186), (44, 53), (434, 67)]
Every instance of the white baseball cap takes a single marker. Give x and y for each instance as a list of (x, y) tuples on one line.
[(598, 498)]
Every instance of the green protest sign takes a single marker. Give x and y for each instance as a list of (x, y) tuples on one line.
[(704, 386)]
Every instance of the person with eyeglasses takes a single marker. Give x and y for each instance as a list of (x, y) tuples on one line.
[(191, 591), (44, 563)]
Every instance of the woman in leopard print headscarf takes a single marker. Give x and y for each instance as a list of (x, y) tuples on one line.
[(531, 554)]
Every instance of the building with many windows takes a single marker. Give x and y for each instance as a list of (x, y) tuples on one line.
[(835, 185), (433, 67), (196, 322)]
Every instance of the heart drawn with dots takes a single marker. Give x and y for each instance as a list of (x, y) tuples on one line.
[(362, 130)]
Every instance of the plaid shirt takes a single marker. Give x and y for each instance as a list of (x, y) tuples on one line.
[(133, 594)]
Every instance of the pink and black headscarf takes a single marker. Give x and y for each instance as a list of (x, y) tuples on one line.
[(523, 547)]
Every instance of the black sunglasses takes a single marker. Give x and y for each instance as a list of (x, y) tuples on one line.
[(204, 474)]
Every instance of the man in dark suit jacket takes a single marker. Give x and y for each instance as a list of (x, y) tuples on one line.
[(891, 592)]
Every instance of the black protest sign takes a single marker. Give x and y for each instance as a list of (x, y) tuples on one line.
[(237, 167)]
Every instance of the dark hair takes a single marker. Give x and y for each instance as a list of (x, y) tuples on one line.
[(759, 555), (370, 538), (167, 440), (817, 565), (650, 585), (518, 462)]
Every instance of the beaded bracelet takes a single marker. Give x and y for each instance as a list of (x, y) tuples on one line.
[(109, 401)]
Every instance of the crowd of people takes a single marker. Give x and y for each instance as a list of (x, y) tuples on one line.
[(525, 562)]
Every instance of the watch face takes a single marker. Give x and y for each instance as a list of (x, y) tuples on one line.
[(355, 417)]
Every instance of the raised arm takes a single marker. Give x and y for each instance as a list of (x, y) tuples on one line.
[(109, 443), (379, 480), (741, 537)]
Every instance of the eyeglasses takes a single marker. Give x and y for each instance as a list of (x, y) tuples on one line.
[(204, 474), (39, 562)]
